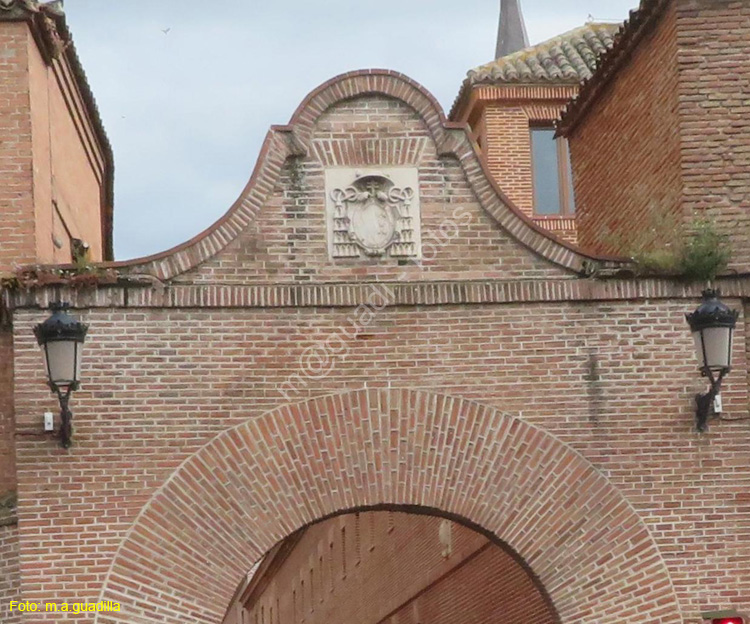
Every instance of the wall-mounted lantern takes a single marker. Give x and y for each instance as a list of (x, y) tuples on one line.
[(712, 325), (61, 339)]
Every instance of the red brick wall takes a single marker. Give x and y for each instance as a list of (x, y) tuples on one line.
[(399, 568), (69, 166), (47, 154), (595, 476), (7, 446), (507, 152), (287, 242), (713, 38), (10, 581), (626, 151), (500, 116), (17, 243), (492, 588), (192, 374)]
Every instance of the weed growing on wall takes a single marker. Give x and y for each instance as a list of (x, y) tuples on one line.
[(695, 251), (705, 253)]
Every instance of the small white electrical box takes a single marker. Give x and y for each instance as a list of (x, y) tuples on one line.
[(717, 404), (49, 421)]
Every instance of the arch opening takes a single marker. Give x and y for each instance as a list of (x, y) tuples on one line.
[(391, 564)]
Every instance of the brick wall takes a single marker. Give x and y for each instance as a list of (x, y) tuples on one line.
[(228, 404), (69, 172), (10, 580), (395, 567), (713, 39), (7, 446), (53, 168), (507, 152), (588, 388), (626, 152), (287, 242), (16, 201), (664, 143)]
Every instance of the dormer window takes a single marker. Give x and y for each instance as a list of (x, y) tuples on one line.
[(552, 174)]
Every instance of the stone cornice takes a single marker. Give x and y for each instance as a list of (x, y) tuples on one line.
[(385, 294)]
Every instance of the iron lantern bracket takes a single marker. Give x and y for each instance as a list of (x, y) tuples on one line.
[(704, 402), (66, 416)]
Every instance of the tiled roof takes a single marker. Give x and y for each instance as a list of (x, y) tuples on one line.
[(569, 58)]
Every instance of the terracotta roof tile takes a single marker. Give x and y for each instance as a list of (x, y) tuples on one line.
[(571, 58)]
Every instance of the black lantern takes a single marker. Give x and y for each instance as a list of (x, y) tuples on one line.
[(61, 338), (712, 325)]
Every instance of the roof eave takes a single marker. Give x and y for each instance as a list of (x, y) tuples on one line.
[(97, 124)]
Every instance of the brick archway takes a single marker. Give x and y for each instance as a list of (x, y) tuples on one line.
[(257, 483)]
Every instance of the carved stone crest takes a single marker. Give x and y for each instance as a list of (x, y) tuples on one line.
[(373, 216)]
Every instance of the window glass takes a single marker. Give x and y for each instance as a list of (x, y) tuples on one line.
[(546, 172), (571, 199)]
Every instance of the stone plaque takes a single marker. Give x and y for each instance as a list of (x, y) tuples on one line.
[(373, 212)]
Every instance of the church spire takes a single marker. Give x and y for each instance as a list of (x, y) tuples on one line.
[(511, 34)]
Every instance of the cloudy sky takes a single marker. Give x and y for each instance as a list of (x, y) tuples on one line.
[(188, 88)]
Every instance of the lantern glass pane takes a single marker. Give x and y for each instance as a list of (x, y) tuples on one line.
[(718, 346), (62, 361), (79, 350), (697, 339)]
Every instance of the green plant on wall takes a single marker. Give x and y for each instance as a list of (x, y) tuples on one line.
[(695, 252), (655, 248), (705, 253)]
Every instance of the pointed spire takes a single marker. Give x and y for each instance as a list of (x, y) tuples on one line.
[(511, 34)]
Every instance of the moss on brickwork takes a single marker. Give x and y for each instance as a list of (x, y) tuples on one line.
[(8, 503), (79, 275)]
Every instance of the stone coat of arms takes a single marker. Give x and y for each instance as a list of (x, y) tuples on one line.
[(373, 217)]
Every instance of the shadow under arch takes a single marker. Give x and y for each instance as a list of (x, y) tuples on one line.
[(261, 481), (437, 513)]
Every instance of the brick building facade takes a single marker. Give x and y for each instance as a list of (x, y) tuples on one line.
[(375, 326), (520, 94), (658, 136)]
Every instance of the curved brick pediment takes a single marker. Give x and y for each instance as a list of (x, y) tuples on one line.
[(259, 482), (367, 123)]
